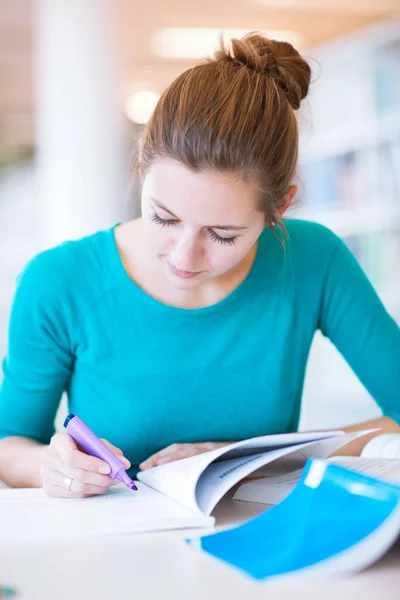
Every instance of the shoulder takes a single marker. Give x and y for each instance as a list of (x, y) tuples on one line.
[(312, 245), (303, 234), (62, 271), (306, 245), (299, 263), (64, 259), (300, 241)]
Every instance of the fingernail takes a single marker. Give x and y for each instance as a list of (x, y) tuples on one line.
[(126, 461), (105, 469)]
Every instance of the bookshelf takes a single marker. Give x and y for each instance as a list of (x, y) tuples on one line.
[(349, 159), (349, 181), (379, 129)]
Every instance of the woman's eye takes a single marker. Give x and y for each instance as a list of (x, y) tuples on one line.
[(162, 222), (170, 222), (224, 241)]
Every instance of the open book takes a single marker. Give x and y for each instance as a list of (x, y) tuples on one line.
[(175, 495), (380, 458)]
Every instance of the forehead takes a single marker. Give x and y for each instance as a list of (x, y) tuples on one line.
[(209, 196)]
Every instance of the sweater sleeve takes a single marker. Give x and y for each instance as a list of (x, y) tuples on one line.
[(39, 361), (353, 317)]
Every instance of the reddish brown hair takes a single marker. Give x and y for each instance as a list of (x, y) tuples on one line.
[(235, 113)]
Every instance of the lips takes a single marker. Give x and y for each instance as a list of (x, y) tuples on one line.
[(182, 274)]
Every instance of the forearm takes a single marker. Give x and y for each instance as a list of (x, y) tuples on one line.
[(355, 447), (20, 460)]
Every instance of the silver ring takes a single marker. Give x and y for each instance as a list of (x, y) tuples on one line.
[(68, 482)]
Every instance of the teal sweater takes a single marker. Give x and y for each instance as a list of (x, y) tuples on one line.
[(144, 374)]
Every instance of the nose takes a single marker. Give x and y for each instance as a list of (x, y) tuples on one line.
[(186, 252)]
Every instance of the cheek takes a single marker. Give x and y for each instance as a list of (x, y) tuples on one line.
[(160, 238), (224, 258)]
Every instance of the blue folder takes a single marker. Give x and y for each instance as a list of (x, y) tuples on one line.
[(335, 519)]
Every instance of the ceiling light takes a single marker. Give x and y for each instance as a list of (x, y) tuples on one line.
[(336, 6), (199, 42), (139, 106)]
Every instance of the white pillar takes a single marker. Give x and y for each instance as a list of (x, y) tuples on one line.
[(81, 157)]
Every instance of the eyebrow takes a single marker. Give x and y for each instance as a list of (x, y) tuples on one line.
[(221, 227)]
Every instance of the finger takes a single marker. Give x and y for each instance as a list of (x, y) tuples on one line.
[(159, 459), (184, 450), (78, 488), (189, 450), (118, 452), (68, 451), (151, 460), (57, 491), (51, 456), (56, 484), (55, 469), (85, 477), (174, 448), (179, 455), (169, 450)]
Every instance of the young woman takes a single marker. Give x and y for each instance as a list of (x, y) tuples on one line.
[(191, 326)]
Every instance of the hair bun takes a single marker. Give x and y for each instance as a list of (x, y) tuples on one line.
[(273, 59)]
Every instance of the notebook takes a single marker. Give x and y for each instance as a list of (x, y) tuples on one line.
[(176, 495), (380, 459)]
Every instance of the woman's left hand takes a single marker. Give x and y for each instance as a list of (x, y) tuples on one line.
[(178, 451)]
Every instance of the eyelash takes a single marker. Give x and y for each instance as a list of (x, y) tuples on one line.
[(171, 222)]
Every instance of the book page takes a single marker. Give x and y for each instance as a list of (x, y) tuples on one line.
[(191, 480), (272, 490), (219, 477), (382, 468), (30, 515), (179, 479), (385, 445)]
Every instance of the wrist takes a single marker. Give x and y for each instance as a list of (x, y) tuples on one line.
[(21, 460), (34, 462)]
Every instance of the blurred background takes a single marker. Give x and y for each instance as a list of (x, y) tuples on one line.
[(79, 78)]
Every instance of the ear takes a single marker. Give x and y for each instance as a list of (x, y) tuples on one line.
[(287, 200)]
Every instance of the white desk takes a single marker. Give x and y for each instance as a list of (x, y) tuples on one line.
[(162, 567)]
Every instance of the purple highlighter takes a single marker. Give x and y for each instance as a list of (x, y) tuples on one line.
[(91, 444)]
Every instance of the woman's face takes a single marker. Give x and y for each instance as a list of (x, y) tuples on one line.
[(199, 225)]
